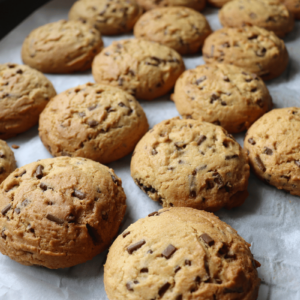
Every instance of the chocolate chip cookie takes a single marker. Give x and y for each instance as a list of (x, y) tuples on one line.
[(222, 94), (62, 47), (269, 14), (191, 163), (7, 160), (24, 93), (145, 69), (254, 49), (180, 28), (181, 253), (108, 16), (294, 7), (150, 4), (59, 212), (273, 144), (95, 121)]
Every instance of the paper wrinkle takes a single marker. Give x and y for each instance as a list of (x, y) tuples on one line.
[(269, 219)]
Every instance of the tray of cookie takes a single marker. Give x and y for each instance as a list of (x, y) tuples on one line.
[(165, 163)]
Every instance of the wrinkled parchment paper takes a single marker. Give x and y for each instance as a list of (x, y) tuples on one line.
[(269, 219)]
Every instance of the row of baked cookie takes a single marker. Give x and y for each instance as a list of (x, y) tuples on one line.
[(63, 211)]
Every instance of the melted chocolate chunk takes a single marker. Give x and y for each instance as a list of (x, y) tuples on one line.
[(214, 97), (187, 262), (6, 209), (2, 170), (167, 253), (200, 80), (261, 52), (179, 297), (163, 289), (228, 157), (92, 107), (2, 155), (251, 141), (54, 219), (155, 213), (144, 270), (93, 123), (207, 239), (95, 236), (135, 246), (78, 194), (125, 234), (226, 78), (3, 235), (39, 172), (129, 286), (268, 151), (260, 164), (115, 180), (154, 152), (201, 139)]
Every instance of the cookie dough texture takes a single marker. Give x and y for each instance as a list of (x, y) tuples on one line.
[(62, 47), (273, 144), (108, 16), (24, 93), (294, 7), (255, 49), (180, 28), (269, 14), (145, 69), (7, 160), (59, 212), (222, 94), (182, 253), (151, 4), (95, 121), (191, 163)]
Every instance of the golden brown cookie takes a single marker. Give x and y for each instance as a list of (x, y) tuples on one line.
[(191, 163), (150, 4), (59, 212), (145, 69), (62, 47), (181, 253), (254, 49), (269, 14), (294, 7), (180, 28), (222, 94), (95, 121), (24, 93), (108, 16), (273, 147), (7, 160)]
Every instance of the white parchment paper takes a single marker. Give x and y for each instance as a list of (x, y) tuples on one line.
[(269, 219)]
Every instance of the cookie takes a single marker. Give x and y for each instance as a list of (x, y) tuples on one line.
[(273, 144), (191, 163), (108, 16), (59, 212), (24, 93), (269, 14), (180, 28), (254, 49), (294, 7), (95, 121), (217, 3), (151, 4), (145, 69), (62, 47), (181, 253), (7, 160), (222, 94)]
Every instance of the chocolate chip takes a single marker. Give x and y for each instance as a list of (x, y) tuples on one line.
[(93, 233), (144, 270), (297, 163), (6, 209), (121, 104), (176, 269), (233, 290), (93, 123), (209, 184), (260, 103), (223, 103), (201, 139), (2, 170), (218, 179), (226, 78), (70, 218), (214, 97), (155, 213), (92, 107), (81, 114), (43, 186), (167, 253), (135, 246), (154, 152), (55, 219), (261, 52), (39, 172), (268, 151), (163, 289), (207, 239), (253, 90), (253, 15), (22, 173), (201, 79), (115, 180), (125, 234), (260, 164), (150, 251), (228, 157), (17, 210), (226, 45), (129, 286), (79, 194), (251, 141), (179, 297), (192, 185), (3, 235), (2, 155), (25, 202)]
